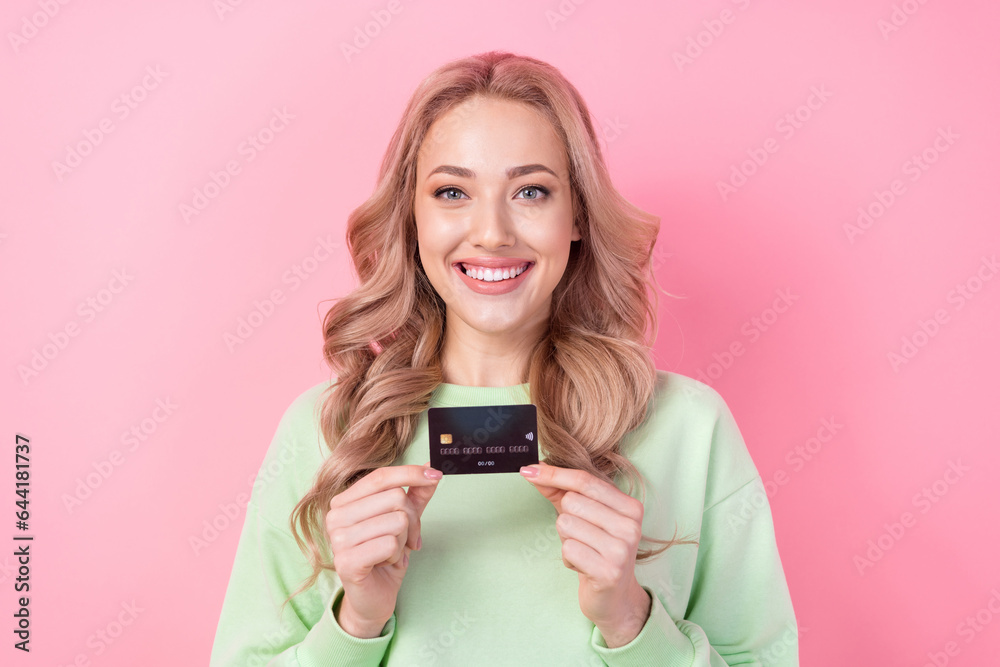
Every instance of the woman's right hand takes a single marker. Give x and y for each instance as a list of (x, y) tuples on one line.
[(372, 527)]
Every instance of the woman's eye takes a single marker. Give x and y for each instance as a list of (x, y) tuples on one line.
[(534, 192), (530, 192), (444, 190)]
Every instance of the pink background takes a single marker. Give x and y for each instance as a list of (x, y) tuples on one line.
[(672, 129)]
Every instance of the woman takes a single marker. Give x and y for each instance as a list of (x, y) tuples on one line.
[(498, 265)]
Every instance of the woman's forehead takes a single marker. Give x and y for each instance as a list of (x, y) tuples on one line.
[(491, 136)]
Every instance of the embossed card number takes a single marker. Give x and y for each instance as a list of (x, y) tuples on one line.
[(475, 440)]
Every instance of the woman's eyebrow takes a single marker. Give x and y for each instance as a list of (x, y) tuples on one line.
[(513, 172)]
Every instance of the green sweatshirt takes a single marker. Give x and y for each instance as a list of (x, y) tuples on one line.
[(488, 587)]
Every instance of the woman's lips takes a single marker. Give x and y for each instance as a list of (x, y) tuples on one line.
[(493, 288)]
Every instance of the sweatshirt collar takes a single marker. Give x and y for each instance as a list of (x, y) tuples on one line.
[(457, 395)]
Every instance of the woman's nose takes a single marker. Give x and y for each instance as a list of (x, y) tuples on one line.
[(491, 225)]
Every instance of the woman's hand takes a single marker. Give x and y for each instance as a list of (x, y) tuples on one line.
[(600, 527), (372, 527)]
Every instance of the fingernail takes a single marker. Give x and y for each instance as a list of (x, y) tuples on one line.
[(420, 540), (529, 471), (431, 473)]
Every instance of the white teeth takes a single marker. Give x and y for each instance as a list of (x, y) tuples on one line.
[(495, 275)]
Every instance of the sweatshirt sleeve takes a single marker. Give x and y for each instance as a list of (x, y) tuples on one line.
[(740, 610), (253, 629)]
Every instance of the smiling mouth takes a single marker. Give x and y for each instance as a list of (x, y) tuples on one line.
[(488, 275)]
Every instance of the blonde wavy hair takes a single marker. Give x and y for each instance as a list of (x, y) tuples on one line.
[(591, 376)]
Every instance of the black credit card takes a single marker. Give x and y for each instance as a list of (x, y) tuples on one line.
[(483, 439)]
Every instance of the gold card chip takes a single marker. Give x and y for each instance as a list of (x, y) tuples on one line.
[(446, 438)]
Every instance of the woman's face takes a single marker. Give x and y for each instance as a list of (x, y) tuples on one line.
[(493, 192)]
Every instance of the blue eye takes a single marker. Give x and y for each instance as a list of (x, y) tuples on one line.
[(446, 189), (537, 189)]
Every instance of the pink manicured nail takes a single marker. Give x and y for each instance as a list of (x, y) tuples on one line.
[(420, 540), (431, 473), (529, 471)]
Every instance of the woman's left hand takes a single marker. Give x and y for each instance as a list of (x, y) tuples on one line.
[(600, 527)]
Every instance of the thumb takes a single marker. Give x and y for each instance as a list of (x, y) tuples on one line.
[(418, 496), (553, 495)]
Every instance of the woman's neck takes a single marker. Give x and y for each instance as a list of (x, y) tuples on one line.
[(473, 359)]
